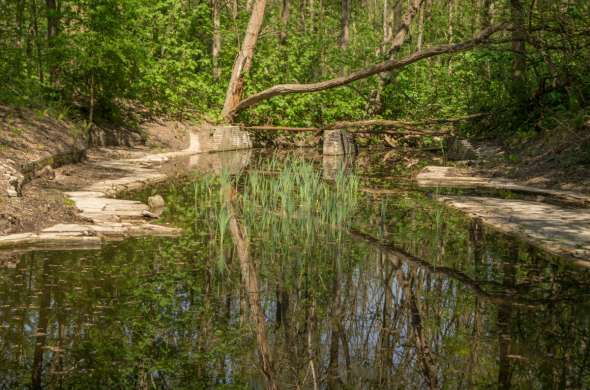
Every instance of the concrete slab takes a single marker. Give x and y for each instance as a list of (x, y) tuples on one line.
[(559, 230), (337, 143), (434, 176)]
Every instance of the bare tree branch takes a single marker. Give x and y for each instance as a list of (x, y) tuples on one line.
[(286, 89)]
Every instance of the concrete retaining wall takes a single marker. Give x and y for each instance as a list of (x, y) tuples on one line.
[(219, 138)]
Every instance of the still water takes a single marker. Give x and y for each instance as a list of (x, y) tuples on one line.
[(385, 290)]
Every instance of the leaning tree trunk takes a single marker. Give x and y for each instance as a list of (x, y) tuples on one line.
[(243, 62)]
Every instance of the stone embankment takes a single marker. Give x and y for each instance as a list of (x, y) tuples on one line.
[(559, 229), (109, 218)]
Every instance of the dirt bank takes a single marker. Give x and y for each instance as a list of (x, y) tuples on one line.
[(559, 159)]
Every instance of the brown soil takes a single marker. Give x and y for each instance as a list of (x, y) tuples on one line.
[(38, 208), (168, 135), (30, 135), (43, 203)]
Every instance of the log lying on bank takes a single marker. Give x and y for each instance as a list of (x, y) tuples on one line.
[(362, 126)]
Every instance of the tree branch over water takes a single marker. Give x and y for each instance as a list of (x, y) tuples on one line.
[(385, 66)]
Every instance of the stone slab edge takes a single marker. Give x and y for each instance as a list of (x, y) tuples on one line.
[(435, 176), (496, 224)]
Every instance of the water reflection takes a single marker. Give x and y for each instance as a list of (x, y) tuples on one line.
[(412, 296)]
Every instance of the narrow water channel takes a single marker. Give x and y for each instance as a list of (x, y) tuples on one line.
[(357, 288)]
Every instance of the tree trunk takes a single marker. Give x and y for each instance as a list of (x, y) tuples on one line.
[(243, 62), (420, 42), (397, 16), (234, 9), (216, 48), (20, 11), (401, 23), (345, 24), (35, 30), (450, 32), (284, 22), (518, 50), (52, 30), (312, 15), (386, 25), (485, 13), (287, 89), (52, 20)]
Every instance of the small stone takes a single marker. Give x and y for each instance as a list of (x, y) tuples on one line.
[(11, 192), (156, 202), (15, 183), (46, 172)]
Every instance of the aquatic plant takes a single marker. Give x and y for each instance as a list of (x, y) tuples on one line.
[(282, 205)]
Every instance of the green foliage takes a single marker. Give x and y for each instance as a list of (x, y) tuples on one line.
[(129, 54)]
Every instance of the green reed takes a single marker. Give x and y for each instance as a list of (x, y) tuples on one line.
[(286, 204)]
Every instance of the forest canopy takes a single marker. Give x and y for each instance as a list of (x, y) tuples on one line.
[(96, 59)]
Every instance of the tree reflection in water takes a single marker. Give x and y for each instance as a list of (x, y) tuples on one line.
[(394, 293)]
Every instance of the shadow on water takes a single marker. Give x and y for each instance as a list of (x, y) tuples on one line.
[(352, 291)]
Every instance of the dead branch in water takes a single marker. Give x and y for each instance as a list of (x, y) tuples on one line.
[(405, 128)]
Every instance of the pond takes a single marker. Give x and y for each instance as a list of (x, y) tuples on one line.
[(296, 274)]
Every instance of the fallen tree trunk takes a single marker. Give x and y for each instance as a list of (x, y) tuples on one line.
[(408, 127), (372, 123), (281, 128), (389, 65)]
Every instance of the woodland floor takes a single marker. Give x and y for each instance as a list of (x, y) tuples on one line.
[(559, 161)]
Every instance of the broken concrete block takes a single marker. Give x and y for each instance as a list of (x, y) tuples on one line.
[(338, 142)]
